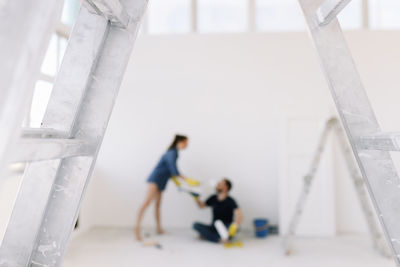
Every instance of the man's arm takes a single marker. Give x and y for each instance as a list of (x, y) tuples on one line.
[(200, 203), (238, 216), (233, 228)]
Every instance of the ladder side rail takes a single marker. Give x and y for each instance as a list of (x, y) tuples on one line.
[(375, 233), (25, 31), (358, 119), (18, 240), (73, 176), (308, 180), (329, 9), (111, 9), (79, 60)]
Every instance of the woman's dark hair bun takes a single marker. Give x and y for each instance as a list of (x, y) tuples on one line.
[(178, 138)]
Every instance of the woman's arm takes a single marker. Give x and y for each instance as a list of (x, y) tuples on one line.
[(170, 159), (181, 176)]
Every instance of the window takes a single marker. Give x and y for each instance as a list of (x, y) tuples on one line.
[(222, 15), (70, 12), (54, 55), (350, 17), (212, 16), (40, 99), (384, 14), (51, 64), (44, 85), (169, 16), (279, 15)]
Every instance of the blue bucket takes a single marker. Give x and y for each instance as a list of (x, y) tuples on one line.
[(261, 227)]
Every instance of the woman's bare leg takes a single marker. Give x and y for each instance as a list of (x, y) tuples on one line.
[(157, 210), (151, 194)]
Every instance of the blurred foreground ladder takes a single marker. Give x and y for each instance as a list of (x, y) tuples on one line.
[(371, 147), (62, 153), (333, 125)]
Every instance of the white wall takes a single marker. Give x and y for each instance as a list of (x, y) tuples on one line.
[(233, 95)]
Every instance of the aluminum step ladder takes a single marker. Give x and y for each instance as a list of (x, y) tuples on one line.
[(370, 145), (333, 126), (61, 154)]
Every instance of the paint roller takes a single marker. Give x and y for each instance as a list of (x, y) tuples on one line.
[(191, 182), (225, 233), (221, 229)]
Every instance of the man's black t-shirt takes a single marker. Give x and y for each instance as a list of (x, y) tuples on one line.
[(222, 210)]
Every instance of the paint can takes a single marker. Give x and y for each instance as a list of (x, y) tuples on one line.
[(261, 227)]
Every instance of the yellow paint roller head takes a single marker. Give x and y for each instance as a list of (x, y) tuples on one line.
[(192, 182)]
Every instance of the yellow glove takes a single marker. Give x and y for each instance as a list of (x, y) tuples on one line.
[(194, 195), (192, 182), (176, 181), (233, 228), (238, 244)]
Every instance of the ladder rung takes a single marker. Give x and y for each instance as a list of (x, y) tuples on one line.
[(38, 149), (42, 133), (111, 9), (382, 141), (329, 9)]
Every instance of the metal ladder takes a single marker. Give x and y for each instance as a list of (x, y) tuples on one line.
[(62, 153), (370, 145), (333, 125)]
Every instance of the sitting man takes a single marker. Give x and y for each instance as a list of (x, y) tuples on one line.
[(224, 208)]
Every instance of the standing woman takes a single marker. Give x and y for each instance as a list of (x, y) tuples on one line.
[(165, 169)]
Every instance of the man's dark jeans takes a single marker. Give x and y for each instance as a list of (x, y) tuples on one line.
[(207, 231)]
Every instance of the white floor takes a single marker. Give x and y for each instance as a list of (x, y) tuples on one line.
[(117, 248)]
